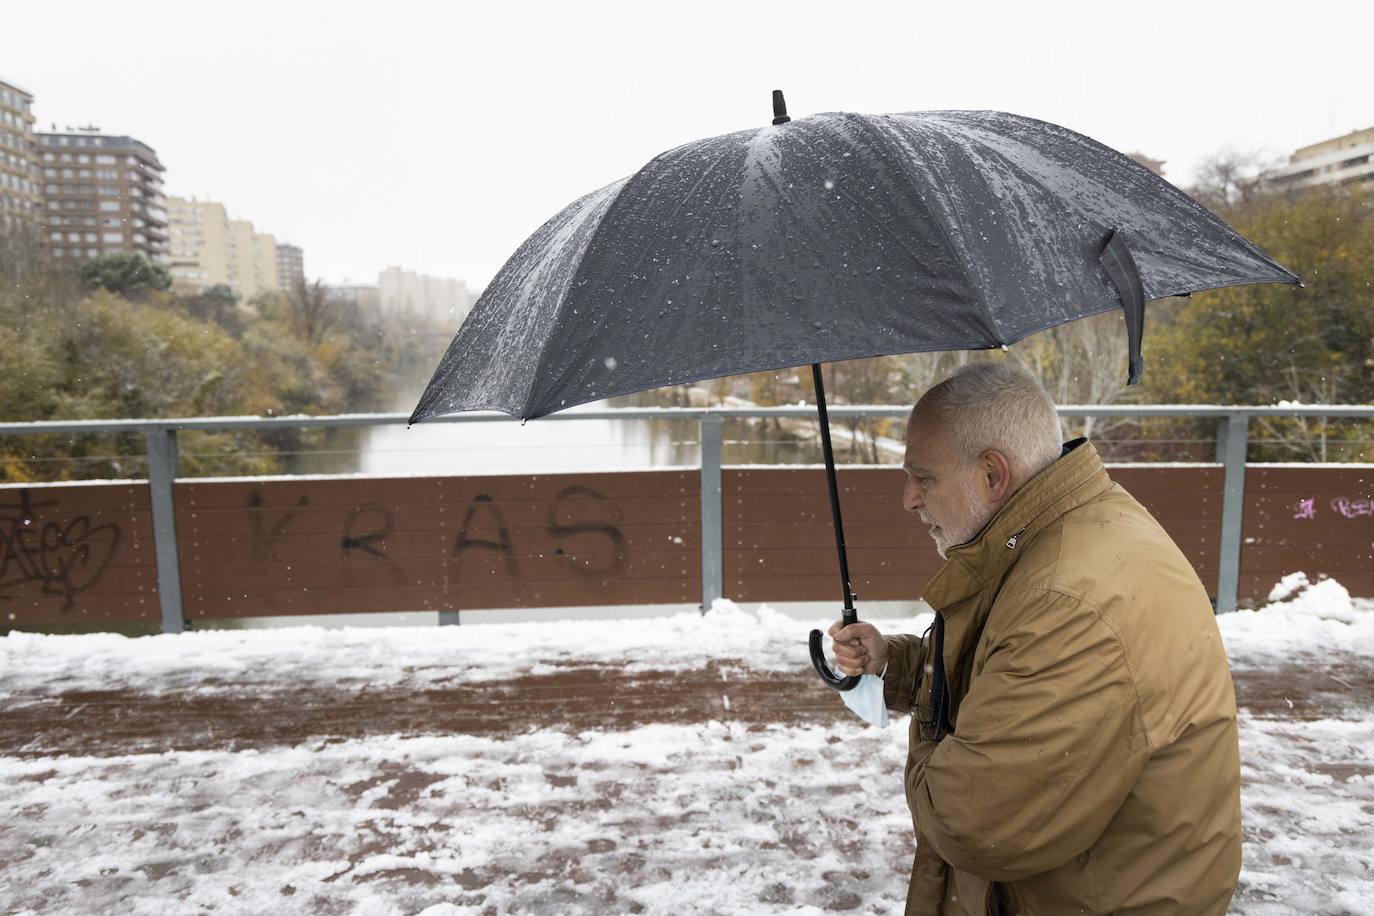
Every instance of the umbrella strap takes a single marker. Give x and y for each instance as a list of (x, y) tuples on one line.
[(849, 614), (1121, 270)]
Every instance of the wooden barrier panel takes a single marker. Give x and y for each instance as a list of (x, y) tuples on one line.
[(343, 545), (1317, 519), (78, 553), (83, 553), (780, 543)]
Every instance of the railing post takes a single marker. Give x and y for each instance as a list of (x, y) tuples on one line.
[(162, 472), (1232, 441), (712, 535)]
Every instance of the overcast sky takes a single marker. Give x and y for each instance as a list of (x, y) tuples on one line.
[(438, 136)]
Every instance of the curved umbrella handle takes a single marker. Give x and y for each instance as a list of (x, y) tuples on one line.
[(832, 680)]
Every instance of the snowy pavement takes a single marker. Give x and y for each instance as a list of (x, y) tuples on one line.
[(678, 765)]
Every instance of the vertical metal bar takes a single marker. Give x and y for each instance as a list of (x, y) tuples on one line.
[(162, 472), (712, 522), (1237, 428), (1222, 427)]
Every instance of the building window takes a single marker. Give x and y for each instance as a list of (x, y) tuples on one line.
[(108, 237), (109, 206)]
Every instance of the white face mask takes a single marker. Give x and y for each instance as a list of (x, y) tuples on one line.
[(866, 700)]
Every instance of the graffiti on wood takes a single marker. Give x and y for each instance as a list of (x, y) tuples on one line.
[(366, 529), (591, 544), (1341, 505), (484, 514), (606, 529), (63, 555), (265, 536)]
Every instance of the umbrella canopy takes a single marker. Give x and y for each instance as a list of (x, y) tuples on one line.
[(830, 237)]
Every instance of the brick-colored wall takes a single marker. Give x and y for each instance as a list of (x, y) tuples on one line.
[(84, 553)]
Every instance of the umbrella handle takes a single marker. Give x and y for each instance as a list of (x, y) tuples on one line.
[(832, 680)]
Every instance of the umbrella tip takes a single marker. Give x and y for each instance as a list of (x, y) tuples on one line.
[(779, 108)]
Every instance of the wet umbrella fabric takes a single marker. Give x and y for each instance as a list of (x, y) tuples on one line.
[(829, 237), (835, 236)]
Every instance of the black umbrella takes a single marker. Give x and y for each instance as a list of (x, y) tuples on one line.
[(835, 236)]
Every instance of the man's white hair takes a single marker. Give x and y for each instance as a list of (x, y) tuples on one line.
[(1002, 407)]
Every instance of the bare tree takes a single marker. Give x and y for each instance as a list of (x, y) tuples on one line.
[(1231, 178), (1082, 362), (312, 314)]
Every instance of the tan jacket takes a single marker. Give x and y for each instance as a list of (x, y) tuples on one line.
[(1093, 765)]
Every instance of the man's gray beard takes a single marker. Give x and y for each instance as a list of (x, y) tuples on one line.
[(949, 538)]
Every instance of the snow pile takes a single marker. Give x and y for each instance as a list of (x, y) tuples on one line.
[(1303, 618)]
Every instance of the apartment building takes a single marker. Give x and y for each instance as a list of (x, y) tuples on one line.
[(1347, 159), (101, 194), (198, 251), (432, 298), (208, 248), (290, 267), (20, 195)]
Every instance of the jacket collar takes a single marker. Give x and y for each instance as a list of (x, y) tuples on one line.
[(1076, 477)]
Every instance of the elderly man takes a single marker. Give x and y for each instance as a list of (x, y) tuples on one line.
[(1073, 741)]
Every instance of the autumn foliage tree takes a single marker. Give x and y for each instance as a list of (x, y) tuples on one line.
[(1270, 343)]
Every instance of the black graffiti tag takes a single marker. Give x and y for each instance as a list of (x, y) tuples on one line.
[(465, 541), (265, 539), (371, 542), (65, 556), (605, 528)]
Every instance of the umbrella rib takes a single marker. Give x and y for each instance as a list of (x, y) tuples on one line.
[(526, 408), (937, 218), (605, 219)]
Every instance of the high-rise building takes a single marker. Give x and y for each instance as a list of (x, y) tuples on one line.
[(20, 198), (102, 194), (210, 249), (1347, 159), (290, 267), (199, 248), (432, 298), (253, 259)]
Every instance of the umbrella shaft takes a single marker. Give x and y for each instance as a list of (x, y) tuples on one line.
[(849, 614)]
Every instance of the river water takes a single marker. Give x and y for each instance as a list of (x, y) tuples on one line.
[(508, 447)]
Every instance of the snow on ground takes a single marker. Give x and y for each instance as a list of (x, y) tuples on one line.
[(672, 817), (235, 660), (660, 819)]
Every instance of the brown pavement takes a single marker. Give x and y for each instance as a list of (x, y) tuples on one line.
[(575, 698)]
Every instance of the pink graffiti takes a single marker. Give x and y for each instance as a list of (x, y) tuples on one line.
[(1307, 508), (1353, 508)]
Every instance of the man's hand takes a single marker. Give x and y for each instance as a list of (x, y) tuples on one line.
[(859, 648)]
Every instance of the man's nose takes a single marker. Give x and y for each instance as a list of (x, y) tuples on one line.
[(911, 497)]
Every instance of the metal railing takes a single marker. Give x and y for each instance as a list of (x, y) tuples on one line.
[(1231, 448)]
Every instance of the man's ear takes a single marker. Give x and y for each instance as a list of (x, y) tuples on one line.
[(996, 473)]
